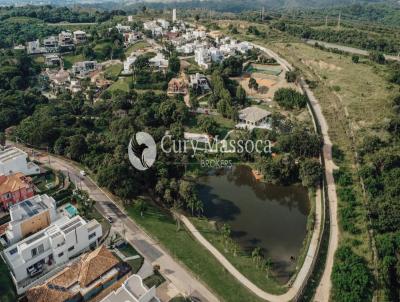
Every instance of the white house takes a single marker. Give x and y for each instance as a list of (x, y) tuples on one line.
[(128, 64), (48, 249), (13, 160), (187, 48), (253, 117), (163, 23), (199, 81), (65, 38), (202, 57), (51, 44), (216, 55), (243, 47), (34, 47), (155, 29), (132, 290), (123, 28), (199, 34), (52, 60), (82, 69), (79, 36), (30, 216), (159, 61)]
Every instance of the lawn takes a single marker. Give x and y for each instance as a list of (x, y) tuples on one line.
[(154, 280), (189, 252), (242, 261), (112, 72), (224, 124), (136, 46), (120, 84), (70, 59)]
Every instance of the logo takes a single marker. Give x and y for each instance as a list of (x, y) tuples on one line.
[(142, 151)]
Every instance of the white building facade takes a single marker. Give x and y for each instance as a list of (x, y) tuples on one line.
[(13, 160)]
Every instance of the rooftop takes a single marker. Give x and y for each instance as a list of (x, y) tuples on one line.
[(30, 207), (75, 278), (10, 153), (13, 182), (253, 114)]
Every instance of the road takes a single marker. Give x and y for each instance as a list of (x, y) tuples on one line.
[(349, 49), (151, 250), (323, 290)]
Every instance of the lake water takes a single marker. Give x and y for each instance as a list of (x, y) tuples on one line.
[(261, 215)]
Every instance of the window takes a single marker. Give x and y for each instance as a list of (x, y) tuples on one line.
[(40, 249), (34, 252), (92, 235), (60, 255), (71, 248), (13, 251)]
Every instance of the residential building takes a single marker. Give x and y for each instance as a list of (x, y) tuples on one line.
[(59, 79), (202, 57), (244, 47), (34, 47), (216, 55), (159, 61), (152, 26), (132, 37), (123, 28), (163, 23), (39, 254), (128, 64), (75, 86), (30, 216), (82, 69), (199, 81), (96, 272), (14, 160), (177, 86), (186, 49), (51, 44), (253, 117), (15, 188), (79, 37), (52, 60), (132, 290), (130, 18), (199, 34), (65, 38)]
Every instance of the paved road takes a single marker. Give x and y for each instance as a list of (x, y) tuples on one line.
[(323, 290), (349, 49), (184, 281)]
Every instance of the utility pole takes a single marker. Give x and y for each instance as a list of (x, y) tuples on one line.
[(326, 21), (263, 13), (339, 19)]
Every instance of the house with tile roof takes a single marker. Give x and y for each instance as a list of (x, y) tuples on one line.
[(96, 272), (15, 188)]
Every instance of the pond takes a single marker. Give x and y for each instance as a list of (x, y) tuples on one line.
[(261, 215)]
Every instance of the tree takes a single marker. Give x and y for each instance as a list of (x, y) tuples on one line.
[(355, 59), (253, 84), (291, 76), (289, 98), (174, 64), (351, 279), (310, 172), (208, 125), (197, 17), (377, 57), (241, 95), (77, 147)]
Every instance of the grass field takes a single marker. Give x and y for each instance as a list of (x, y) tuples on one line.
[(113, 71), (120, 84), (136, 46), (70, 59), (243, 262), (355, 100), (189, 252), (224, 124)]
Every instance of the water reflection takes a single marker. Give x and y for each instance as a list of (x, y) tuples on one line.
[(261, 215)]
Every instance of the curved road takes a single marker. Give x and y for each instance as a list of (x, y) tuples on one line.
[(322, 293), (151, 250)]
